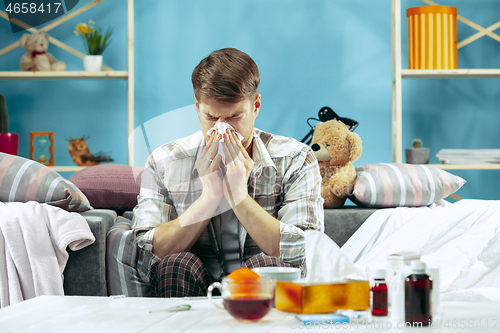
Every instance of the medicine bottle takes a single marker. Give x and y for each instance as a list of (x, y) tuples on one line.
[(418, 288), (379, 293)]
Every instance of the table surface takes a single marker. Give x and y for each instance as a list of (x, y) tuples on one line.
[(105, 314)]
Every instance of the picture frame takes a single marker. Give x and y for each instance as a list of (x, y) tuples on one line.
[(42, 147)]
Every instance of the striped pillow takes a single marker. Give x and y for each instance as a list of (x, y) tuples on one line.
[(24, 180), (402, 185)]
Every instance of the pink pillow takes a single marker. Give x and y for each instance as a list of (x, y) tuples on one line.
[(110, 186)]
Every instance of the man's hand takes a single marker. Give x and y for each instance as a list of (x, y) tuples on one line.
[(238, 168), (180, 234), (260, 225), (208, 165)]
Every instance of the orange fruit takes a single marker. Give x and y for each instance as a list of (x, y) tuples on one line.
[(244, 275), (244, 282)]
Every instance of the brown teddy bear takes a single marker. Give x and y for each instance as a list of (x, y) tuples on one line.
[(37, 58), (335, 147)]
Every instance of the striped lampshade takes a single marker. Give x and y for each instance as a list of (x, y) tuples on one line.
[(432, 37)]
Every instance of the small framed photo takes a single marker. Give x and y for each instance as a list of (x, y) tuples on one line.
[(42, 147)]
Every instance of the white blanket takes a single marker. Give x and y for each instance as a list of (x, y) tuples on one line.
[(33, 242), (462, 239)]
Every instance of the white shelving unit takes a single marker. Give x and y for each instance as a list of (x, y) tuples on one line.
[(107, 74), (66, 75), (398, 74)]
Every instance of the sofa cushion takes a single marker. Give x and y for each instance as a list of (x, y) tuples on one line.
[(122, 276), (23, 180), (402, 185), (110, 186)]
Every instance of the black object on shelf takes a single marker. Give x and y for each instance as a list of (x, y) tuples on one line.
[(325, 114)]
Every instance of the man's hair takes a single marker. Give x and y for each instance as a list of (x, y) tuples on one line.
[(226, 75)]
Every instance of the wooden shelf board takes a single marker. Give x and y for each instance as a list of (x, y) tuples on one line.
[(66, 75), (450, 73), (67, 168), (490, 166)]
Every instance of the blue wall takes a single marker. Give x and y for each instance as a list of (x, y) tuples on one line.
[(310, 54)]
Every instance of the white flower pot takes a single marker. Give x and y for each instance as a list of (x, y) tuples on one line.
[(92, 63)]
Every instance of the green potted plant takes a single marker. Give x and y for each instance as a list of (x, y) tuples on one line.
[(417, 154), (95, 42), (9, 142)]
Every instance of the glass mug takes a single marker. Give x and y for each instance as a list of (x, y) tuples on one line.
[(245, 300)]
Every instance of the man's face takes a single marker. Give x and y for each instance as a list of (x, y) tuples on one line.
[(240, 115)]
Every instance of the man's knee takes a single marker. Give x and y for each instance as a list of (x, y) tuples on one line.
[(181, 274), (265, 261), (178, 261)]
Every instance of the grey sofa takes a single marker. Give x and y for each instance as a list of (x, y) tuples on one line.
[(85, 272), (340, 224)]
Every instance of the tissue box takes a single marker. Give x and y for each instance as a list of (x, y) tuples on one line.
[(322, 298)]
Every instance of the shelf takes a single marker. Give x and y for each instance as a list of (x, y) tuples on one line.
[(66, 75), (398, 73), (490, 166), (107, 74), (450, 73), (67, 168)]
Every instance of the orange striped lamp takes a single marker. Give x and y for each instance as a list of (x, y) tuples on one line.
[(432, 37)]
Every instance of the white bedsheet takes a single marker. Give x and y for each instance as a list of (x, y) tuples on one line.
[(33, 242), (463, 239)]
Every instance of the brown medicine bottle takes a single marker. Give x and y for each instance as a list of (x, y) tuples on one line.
[(418, 288)]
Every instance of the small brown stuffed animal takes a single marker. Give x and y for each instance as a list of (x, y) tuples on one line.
[(335, 147), (37, 58), (80, 154)]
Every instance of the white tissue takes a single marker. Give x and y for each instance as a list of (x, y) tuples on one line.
[(325, 261), (221, 128)]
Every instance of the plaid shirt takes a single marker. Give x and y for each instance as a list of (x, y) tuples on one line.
[(285, 181)]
